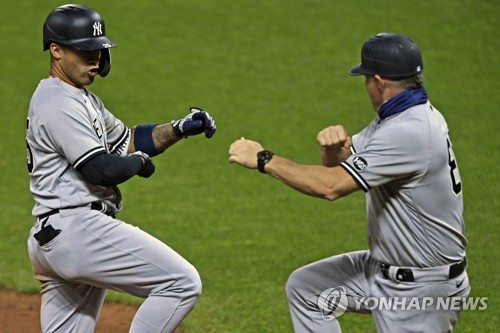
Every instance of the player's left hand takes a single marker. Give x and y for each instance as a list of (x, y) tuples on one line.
[(244, 152), (197, 122), (147, 168)]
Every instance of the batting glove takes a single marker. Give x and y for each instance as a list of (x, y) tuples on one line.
[(147, 168), (197, 122)]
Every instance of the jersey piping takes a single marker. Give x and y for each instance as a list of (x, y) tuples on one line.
[(88, 155), (116, 148), (356, 176)]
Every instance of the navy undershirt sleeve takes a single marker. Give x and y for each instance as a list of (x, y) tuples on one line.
[(107, 170)]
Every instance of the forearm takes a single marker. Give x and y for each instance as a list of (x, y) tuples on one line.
[(319, 181), (333, 156), (163, 137), (328, 183), (154, 139), (108, 170)]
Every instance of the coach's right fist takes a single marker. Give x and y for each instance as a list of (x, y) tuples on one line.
[(197, 122), (334, 137)]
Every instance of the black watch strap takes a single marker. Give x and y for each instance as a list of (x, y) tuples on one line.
[(263, 157)]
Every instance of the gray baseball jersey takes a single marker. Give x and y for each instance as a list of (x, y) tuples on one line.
[(411, 220), (87, 251), (403, 163), (66, 127)]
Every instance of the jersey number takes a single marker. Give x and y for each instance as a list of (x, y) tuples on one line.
[(455, 176), (29, 158)]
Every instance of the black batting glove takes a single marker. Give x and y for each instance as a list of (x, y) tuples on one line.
[(197, 122), (147, 168)]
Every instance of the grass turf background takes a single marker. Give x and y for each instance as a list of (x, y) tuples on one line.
[(275, 71)]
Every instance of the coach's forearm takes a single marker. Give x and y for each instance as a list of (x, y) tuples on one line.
[(333, 156), (314, 180)]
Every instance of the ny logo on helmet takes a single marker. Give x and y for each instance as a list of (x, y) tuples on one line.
[(97, 28)]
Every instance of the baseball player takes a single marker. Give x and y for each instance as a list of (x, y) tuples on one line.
[(404, 162), (78, 152)]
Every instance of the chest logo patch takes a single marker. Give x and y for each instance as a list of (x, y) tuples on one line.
[(359, 163)]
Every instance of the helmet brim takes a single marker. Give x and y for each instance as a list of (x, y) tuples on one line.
[(89, 44), (85, 44)]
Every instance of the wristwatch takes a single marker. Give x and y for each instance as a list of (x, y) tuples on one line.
[(263, 157)]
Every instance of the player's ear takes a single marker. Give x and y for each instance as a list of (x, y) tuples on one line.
[(55, 50)]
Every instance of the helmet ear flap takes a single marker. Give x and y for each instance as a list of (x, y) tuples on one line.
[(104, 63)]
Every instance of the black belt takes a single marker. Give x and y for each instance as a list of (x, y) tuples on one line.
[(94, 206), (406, 274), (48, 233)]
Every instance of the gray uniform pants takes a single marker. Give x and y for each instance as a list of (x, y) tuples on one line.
[(348, 281), (94, 252)]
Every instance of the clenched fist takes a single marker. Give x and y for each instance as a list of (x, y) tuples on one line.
[(196, 122), (334, 137), (244, 152)]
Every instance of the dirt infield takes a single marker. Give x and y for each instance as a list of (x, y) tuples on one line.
[(19, 313)]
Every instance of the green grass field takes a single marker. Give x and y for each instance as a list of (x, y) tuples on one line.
[(275, 71)]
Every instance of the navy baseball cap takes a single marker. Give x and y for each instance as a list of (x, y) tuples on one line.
[(389, 55)]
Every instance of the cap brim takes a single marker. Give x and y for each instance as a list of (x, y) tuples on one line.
[(357, 70)]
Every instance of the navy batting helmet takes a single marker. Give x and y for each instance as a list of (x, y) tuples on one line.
[(79, 27), (390, 55)]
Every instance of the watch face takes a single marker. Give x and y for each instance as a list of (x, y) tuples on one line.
[(265, 156)]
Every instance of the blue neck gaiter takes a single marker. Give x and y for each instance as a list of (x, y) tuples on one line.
[(401, 102)]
